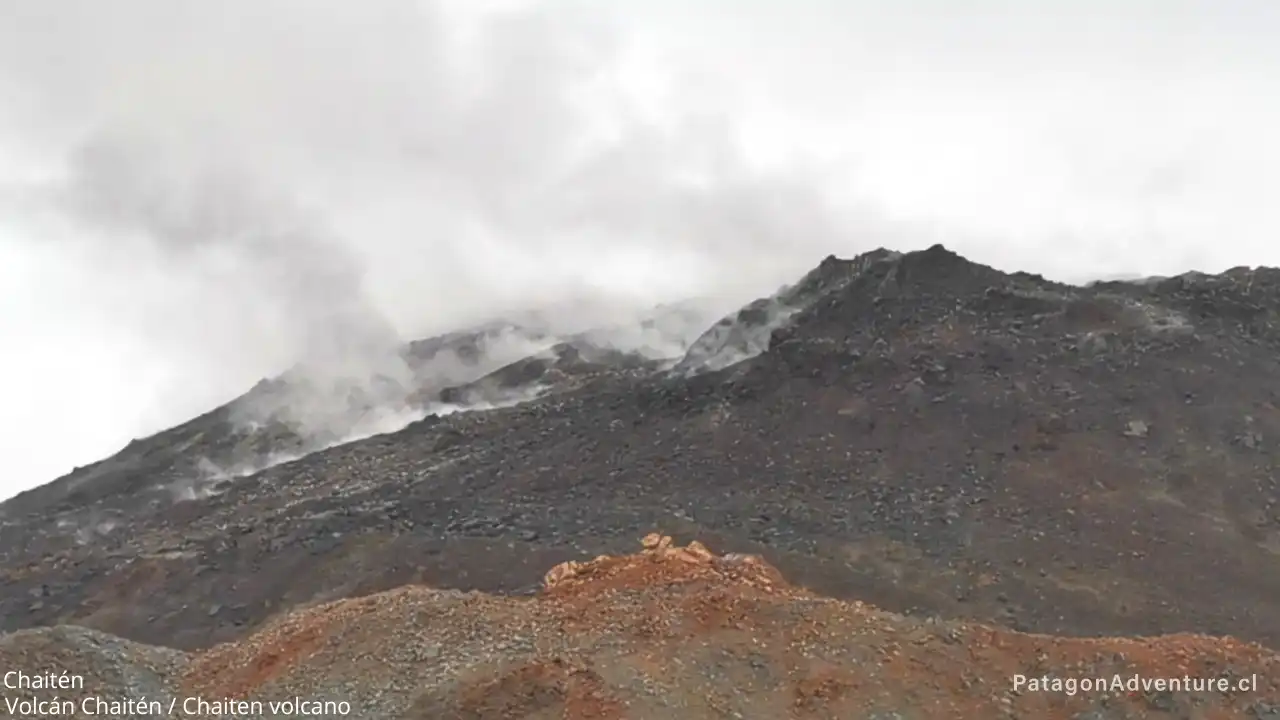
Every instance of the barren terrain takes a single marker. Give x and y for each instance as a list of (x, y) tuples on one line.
[(669, 632), (913, 431)]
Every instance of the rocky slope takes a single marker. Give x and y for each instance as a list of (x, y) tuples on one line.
[(917, 431), (673, 632)]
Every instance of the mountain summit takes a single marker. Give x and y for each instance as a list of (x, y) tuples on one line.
[(913, 430)]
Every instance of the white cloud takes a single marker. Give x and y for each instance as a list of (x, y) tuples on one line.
[(196, 194)]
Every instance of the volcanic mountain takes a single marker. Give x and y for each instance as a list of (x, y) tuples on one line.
[(915, 430)]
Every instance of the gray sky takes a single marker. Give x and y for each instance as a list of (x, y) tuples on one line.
[(195, 194)]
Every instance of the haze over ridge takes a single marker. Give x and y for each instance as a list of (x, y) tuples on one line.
[(195, 196)]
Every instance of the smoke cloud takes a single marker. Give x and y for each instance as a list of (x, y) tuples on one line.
[(195, 196)]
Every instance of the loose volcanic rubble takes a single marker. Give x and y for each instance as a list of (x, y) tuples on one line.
[(912, 430), (671, 632)]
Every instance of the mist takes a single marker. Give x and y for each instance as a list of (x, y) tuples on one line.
[(196, 196)]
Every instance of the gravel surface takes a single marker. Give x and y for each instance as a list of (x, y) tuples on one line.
[(670, 632), (99, 675)]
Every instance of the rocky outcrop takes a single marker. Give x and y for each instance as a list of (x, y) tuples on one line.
[(661, 560)]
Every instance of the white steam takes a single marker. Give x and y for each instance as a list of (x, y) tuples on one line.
[(198, 195)]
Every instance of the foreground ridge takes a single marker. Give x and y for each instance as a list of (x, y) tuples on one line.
[(668, 632)]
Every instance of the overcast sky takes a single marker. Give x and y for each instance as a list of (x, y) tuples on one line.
[(195, 194)]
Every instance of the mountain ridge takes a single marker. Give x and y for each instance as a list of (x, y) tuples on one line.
[(919, 431)]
